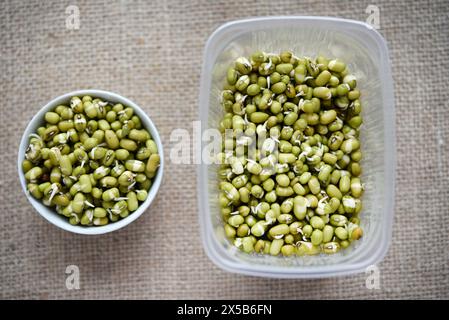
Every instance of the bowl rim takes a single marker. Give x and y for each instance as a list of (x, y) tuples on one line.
[(50, 214), (389, 155)]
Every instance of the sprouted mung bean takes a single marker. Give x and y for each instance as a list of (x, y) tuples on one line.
[(289, 178), (92, 160)]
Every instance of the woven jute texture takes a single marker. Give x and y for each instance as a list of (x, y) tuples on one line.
[(151, 52)]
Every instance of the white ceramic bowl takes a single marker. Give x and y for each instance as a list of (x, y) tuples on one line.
[(49, 213)]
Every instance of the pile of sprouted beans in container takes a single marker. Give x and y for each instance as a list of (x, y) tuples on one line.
[(91, 160), (290, 169)]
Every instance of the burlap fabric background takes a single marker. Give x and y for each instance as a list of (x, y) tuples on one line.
[(151, 52)]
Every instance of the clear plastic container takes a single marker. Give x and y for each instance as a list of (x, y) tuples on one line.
[(366, 54)]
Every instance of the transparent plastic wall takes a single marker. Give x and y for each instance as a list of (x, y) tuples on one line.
[(365, 53)]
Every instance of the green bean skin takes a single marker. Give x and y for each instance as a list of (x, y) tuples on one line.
[(92, 161), (301, 191)]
